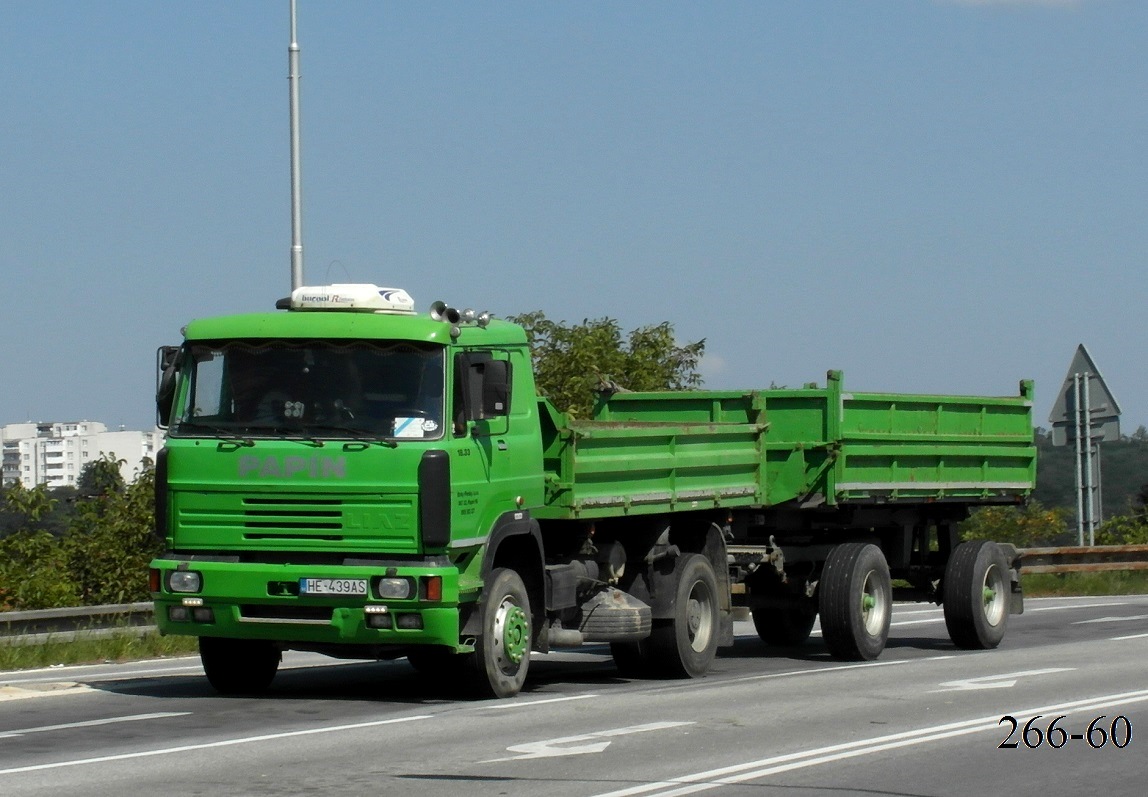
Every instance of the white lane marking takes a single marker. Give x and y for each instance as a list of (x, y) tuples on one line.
[(752, 770), (93, 723), (531, 703), (210, 745), (1130, 636), (550, 748), (1113, 619), (1002, 681), (1073, 606)]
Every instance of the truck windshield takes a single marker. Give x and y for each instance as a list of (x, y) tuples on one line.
[(312, 388)]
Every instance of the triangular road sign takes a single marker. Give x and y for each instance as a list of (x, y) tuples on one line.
[(1103, 409)]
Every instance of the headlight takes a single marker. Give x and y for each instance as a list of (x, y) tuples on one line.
[(393, 588), (184, 581)]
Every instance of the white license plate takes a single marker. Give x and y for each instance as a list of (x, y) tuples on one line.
[(332, 586)]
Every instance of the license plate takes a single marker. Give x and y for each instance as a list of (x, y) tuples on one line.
[(332, 586)]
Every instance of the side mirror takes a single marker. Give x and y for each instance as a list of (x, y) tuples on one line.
[(166, 358), (495, 389)]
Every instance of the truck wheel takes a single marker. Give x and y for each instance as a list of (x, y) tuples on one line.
[(785, 626), (686, 645), (239, 666), (633, 659), (502, 652), (856, 601), (976, 595)]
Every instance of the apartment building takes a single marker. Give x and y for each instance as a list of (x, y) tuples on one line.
[(55, 453)]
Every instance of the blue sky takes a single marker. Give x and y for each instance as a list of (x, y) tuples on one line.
[(934, 196)]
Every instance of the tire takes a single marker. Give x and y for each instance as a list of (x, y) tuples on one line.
[(502, 652), (435, 661), (976, 595), (685, 646), (786, 626), (633, 659), (239, 666), (855, 598)]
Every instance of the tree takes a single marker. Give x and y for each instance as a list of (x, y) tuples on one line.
[(574, 361), (1030, 526)]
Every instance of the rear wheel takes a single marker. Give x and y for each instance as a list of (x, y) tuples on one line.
[(239, 666), (785, 626), (502, 652), (976, 595), (685, 646), (856, 601)]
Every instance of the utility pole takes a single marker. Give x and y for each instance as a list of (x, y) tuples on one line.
[(296, 179)]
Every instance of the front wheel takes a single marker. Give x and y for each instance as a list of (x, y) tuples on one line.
[(976, 594), (856, 601), (685, 646), (239, 666), (502, 652)]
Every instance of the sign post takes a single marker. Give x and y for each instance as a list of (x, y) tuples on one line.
[(1085, 414)]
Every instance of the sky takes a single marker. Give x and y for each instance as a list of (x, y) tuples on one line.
[(938, 196)]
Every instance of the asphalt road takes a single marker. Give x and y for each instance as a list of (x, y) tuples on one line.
[(925, 719)]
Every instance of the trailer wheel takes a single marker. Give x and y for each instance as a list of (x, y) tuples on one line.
[(502, 652), (685, 646), (633, 659), (856, 601), (239, 666), (976, 595), (785, 626)]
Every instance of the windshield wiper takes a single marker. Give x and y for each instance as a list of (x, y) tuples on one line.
[(214, 430), (356, 435)]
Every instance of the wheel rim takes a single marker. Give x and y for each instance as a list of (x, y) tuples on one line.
[(874, 604), (511, 635), (993, 595), (699, 617)]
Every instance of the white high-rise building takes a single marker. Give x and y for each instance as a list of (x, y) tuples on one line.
[(54, 454)]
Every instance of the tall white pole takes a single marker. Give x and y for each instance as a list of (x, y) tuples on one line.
[(1079, 464), (296, 180), (1090, 508)]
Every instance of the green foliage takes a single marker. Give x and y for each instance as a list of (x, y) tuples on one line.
[(102, 556), (1124, 465), (33, 572), (1030, 526), (574, 361)]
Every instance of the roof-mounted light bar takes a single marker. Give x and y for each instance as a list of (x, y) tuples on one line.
[(362, 298)]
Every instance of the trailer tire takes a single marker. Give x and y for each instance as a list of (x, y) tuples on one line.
[(502, 651), (786, 626), (239, 666), (685, 646), (856, 601), (976, 595)]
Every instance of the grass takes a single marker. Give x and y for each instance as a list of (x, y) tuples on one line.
[(128, 646), (1115, 582)]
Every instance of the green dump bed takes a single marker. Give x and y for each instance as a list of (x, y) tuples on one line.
[(656, 452)]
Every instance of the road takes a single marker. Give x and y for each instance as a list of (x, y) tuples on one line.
[(925, 719)]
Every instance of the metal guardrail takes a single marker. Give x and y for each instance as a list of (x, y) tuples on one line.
[(62, 625), (65, 624), (1087, 559)]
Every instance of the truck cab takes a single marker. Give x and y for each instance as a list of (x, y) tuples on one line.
[(332, 475)]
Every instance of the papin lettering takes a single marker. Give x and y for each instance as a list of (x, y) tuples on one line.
[(315, 467)]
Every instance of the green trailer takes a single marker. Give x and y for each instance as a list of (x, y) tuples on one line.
[(352, 477)]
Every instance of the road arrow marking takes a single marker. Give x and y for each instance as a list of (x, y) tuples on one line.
[(550, 748), (1003, 681)]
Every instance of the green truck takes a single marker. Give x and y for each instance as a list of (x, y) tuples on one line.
[(350, 476)]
